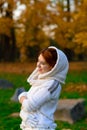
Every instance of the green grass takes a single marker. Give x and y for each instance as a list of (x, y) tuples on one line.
[(77, 77), (8, 107)]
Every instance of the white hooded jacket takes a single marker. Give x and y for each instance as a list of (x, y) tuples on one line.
[(42, 98)]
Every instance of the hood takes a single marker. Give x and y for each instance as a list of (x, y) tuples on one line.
[(58, 72)]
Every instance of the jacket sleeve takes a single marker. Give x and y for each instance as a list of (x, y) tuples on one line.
[(41, 96), (35, 101)]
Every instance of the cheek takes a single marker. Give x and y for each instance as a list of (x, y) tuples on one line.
[(46, 68)]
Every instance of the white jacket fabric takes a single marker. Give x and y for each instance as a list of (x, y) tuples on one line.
[(42, 98)]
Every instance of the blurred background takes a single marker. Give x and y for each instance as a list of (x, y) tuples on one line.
[(27, 26)]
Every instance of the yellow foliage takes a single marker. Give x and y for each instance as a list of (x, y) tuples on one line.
[(5, 26), (81, 39), (70, 28)]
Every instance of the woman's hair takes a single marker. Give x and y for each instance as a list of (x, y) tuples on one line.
[(50, 55)]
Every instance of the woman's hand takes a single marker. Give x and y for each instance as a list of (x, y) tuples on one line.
[(22, 99)]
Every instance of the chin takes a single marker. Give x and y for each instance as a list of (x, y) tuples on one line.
[(39, 72)]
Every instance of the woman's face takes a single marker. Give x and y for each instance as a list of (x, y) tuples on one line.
[(42, 65)]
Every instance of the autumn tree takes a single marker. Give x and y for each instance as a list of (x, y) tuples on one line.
[(33, 20), (80, 29), (70, 32), (43, 23), (55, 20), (7, 34)]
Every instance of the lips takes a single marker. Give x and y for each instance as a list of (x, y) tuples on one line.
[(40, 70)]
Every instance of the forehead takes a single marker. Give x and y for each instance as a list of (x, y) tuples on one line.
[(41, 58)]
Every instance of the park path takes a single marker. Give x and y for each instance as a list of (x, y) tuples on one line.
[(29, 67)]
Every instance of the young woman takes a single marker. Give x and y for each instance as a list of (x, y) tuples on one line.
[(40, 102)]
